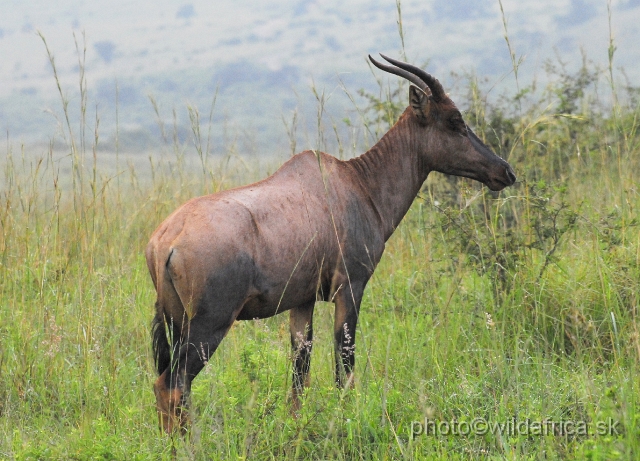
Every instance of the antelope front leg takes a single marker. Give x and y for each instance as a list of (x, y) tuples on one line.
[(301, 329), (347, 308)]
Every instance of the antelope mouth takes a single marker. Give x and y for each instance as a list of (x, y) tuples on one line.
[(507, 179)]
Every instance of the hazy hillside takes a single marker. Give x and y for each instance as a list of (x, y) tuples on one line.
[(263, 58)]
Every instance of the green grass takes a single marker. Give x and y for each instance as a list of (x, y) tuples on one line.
[(515, 306)]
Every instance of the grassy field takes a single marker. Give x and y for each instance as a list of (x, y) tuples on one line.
[(517, 309)]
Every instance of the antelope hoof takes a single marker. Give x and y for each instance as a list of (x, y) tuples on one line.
[(295, 404), (346, 381), (350, 381), (171, 406)]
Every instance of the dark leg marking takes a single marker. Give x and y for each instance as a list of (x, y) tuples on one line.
[(301, 329)]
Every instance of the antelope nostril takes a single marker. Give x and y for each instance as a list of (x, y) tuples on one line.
[(511, 175)]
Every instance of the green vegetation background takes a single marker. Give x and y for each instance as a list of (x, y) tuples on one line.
[(522, 304)]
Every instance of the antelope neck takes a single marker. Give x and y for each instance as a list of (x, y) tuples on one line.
[(393, 171)]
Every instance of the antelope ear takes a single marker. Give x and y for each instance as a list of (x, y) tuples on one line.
[(420, 103)]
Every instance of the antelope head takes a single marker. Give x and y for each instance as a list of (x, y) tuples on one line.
[(445, 141)]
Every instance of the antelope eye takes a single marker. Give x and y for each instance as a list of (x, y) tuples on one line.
[(456, 123)]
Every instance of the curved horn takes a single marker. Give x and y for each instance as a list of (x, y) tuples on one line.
[(434, 85), (400, 72)]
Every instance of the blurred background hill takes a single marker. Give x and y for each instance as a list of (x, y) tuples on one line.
[(260, 60)]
